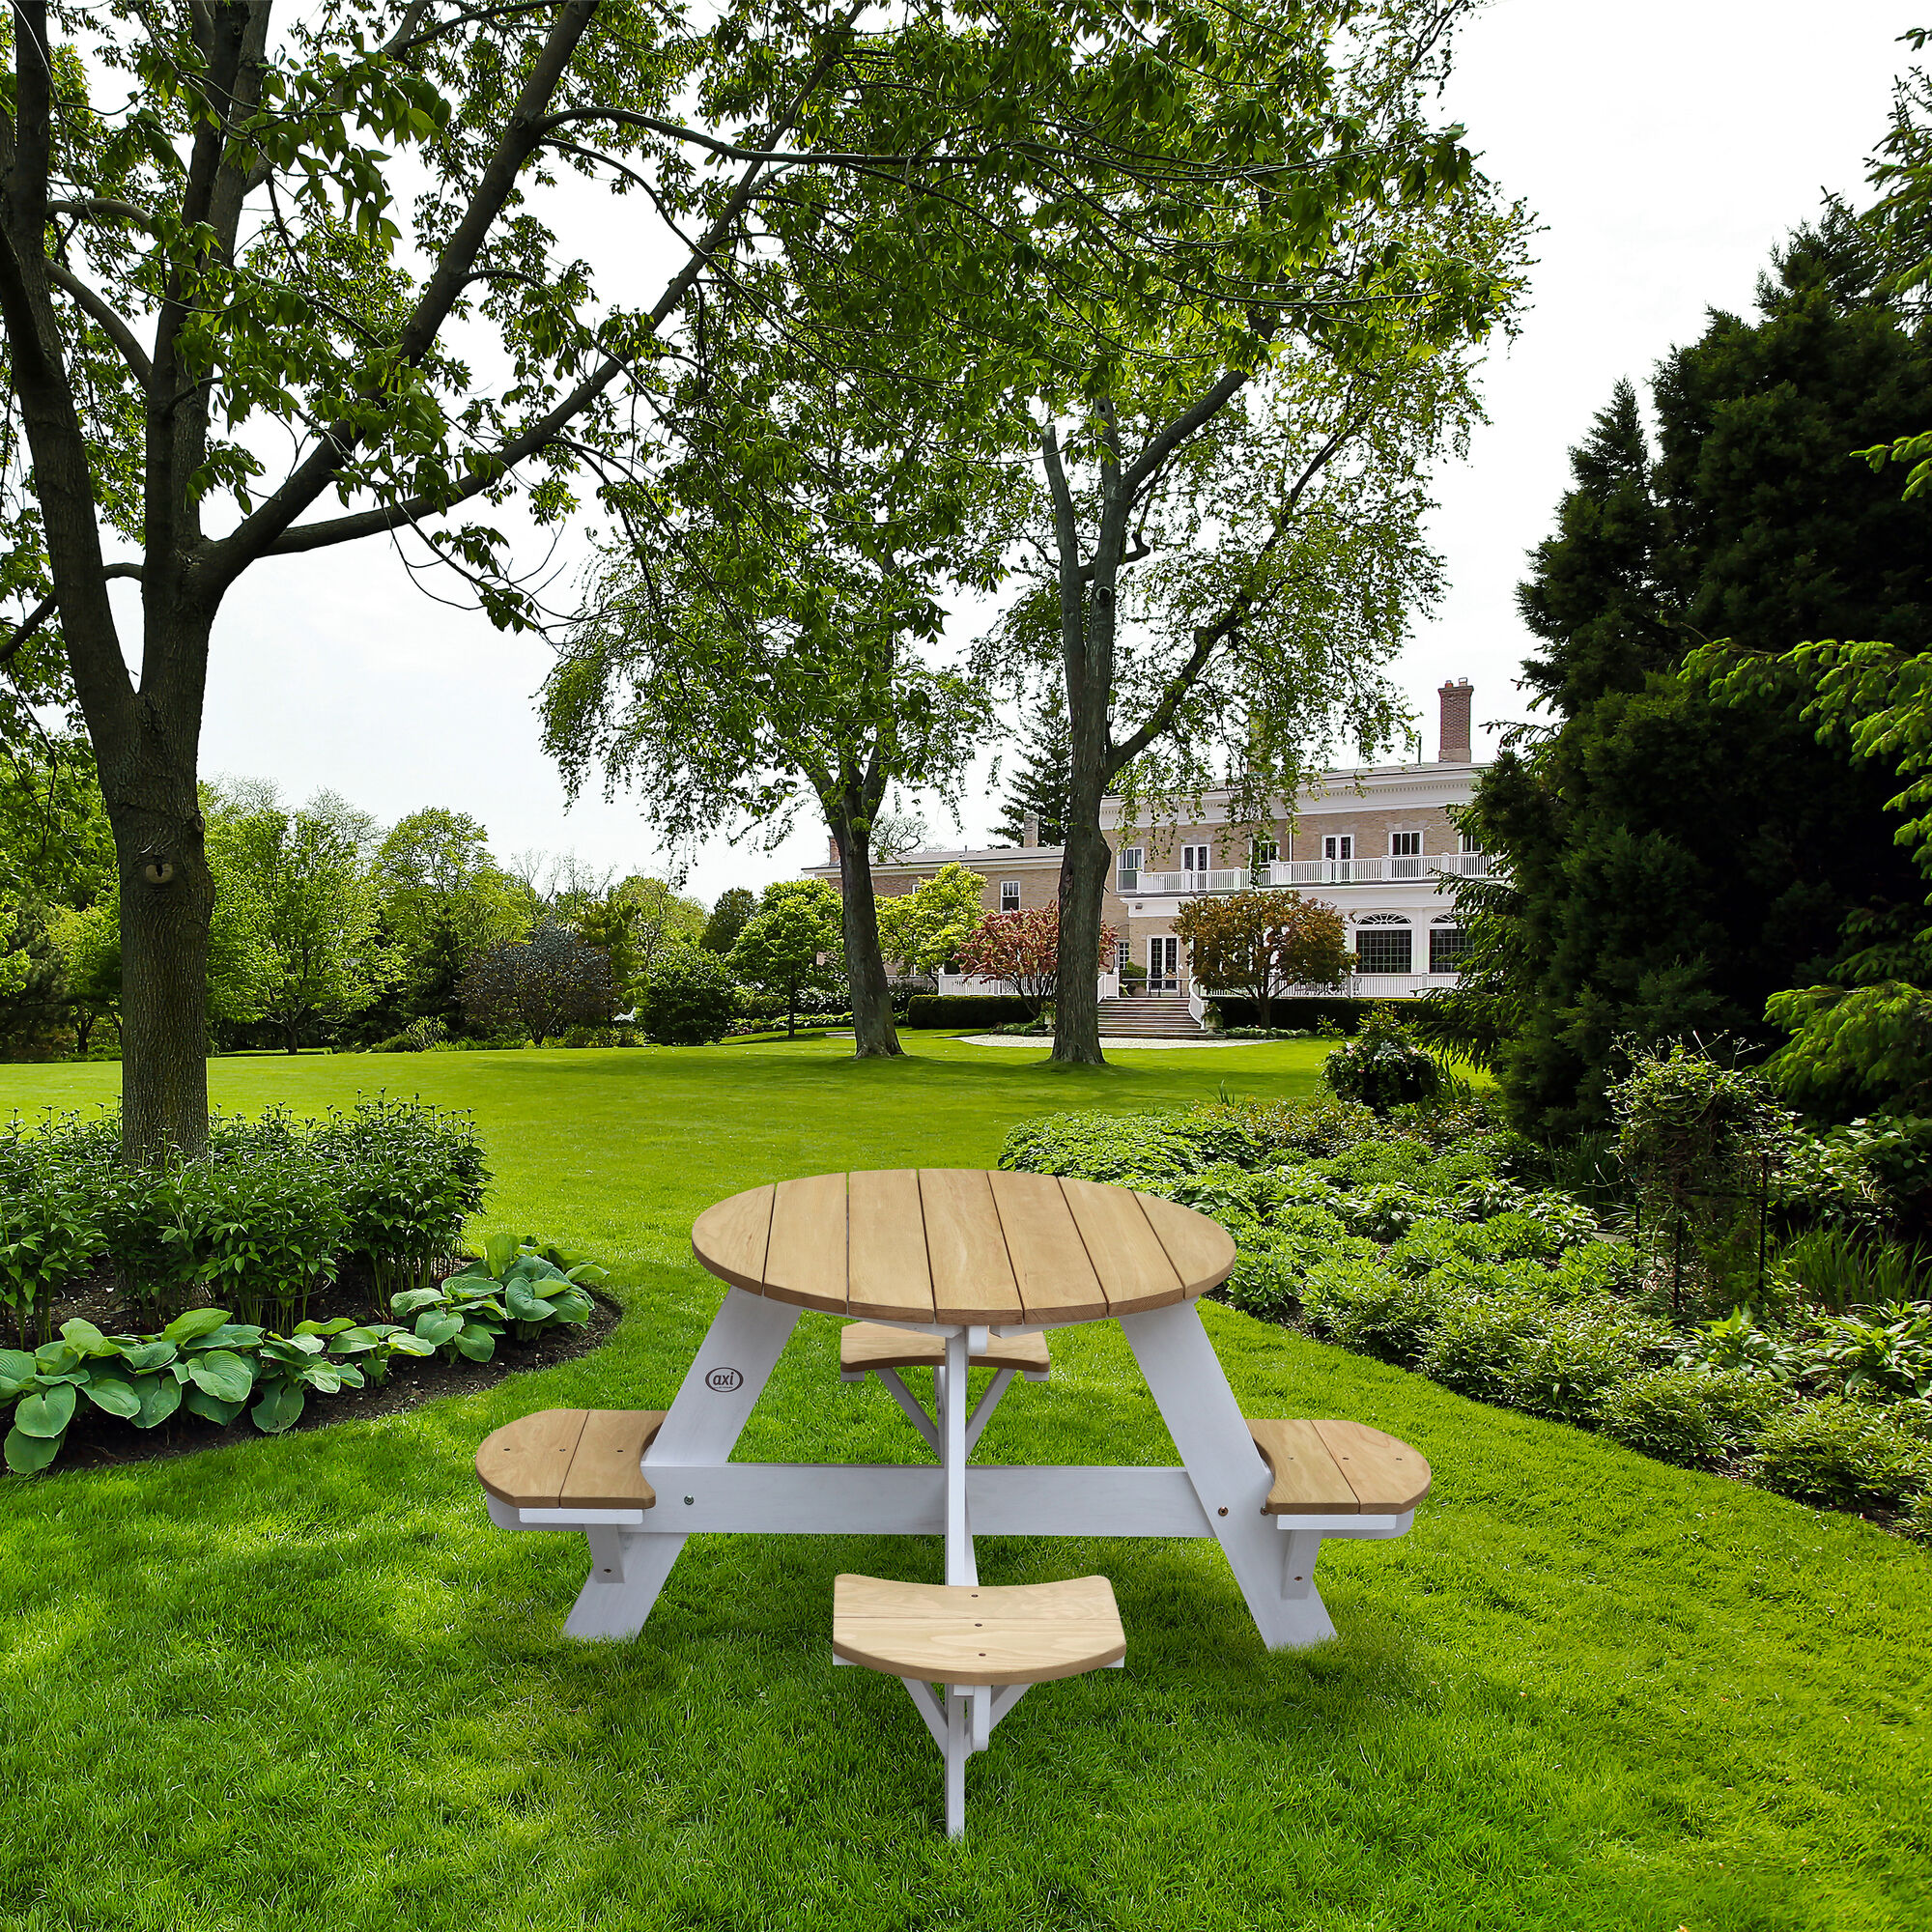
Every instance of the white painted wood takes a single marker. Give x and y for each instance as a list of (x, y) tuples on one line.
[(719, 1391), (1006, 1696), (1231, 1480), (982, 1410), (1349, 1528), (915, 1409), (979, 1729), (579, 1519), (955, 1767), (960, 1565), (1298, 1552), (606, 1554), (924, 1702)]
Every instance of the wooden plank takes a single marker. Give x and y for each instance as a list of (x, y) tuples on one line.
[(1202, 1251), (967, 1633), (525, 1462), (1387, 1476), (605, 1473), (1307, 1479), (1126, 1253), (868, 1345), (971, 1276), (885, 1271), (806, 1262), (731, 1237), (1057, 1281)]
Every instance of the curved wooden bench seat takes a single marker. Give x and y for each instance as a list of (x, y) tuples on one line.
[(1338, 1468), (977, 1634), (565, 1458), (865, 1346)]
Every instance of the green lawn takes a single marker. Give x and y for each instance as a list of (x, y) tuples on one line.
[(305, 1684)]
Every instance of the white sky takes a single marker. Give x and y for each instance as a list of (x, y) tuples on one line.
[(1665, 145)]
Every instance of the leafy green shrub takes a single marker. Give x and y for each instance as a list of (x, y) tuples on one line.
[(1581, 1354), (1840, 1451), (51, 1180), (591, 1036), (1129, 1150), (1887, 1354), (1688, 1414), (1739, 1340), (1381, 1066), (691, 999), (1478, 1344), (512, 1284), (1372, 1309)]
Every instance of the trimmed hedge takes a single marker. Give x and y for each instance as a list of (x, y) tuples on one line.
[(1306, 1014), (965, 1009)]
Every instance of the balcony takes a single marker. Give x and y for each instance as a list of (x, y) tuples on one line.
[(1308, 872)]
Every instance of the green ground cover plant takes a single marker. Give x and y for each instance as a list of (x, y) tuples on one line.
[(1589, 1689), (1417, 1235)]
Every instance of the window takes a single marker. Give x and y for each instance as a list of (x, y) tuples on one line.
[(1131, 868), (1342, 846), (1383, 950), (1009, 896), (1265, 852), (1123, 955), (1466, 842), (1194, 858), (1447, 945), (1405, 844)]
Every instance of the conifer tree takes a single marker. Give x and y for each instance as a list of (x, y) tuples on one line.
[(1043, 784)]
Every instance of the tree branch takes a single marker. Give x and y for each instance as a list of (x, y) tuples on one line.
[(95, 308), (38, 616)]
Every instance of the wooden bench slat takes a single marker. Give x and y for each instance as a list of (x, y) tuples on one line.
[(972, 1274), (871, 1345), (807, 1260), (732, 1238), (984, 1633), (603, 1473), (1057, 1281), (1307, 1479), (1386, 1474), (525, 1462), (1202, 1251)]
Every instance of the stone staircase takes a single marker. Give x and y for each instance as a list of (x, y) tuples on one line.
[(1148, 1016)]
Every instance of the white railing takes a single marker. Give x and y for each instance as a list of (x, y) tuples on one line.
[(1368, 986), (1307, 873), (952, 984)]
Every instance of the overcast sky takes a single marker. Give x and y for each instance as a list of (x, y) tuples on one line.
[(1665, 146)]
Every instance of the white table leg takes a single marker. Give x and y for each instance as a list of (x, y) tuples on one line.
[(961, 1567), (1188, 1385), (718, 1392)]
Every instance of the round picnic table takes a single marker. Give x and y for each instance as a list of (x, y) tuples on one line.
[(962, 1248), (968, 1260)]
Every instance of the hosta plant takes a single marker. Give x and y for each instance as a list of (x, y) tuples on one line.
[(514, 1285)]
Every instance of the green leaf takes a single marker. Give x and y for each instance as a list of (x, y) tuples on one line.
[(279, 1408), (27, 1453), (499, 1252), (46, 1412), (523, 1306), (160, 1396), (146, 1356), (195, 1324), (230, 1335), (413, 1298), (87, 1337), (340, 1326), (477, 1342), (201, 1402), (223, 1374), (17, 1369), (438, 1326), (115, 1394), (406, 1343)]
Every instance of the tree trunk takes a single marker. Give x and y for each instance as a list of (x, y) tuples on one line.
[(1083, 886), (167, 897), (874, 1037)]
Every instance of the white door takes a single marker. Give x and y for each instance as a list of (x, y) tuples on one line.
[(1194, 860), (1339, 849), (1164, 965)]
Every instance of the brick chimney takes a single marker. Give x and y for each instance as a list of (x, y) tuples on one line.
[(834, 843), (1030, 830), (1454, 745)]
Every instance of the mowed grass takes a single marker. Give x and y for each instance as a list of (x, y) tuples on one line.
[(306, 1684)]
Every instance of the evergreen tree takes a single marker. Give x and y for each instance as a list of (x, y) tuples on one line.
[(1041, 784), (1676, 860)]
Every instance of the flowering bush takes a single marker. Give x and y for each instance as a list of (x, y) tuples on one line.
[(1022, 949)]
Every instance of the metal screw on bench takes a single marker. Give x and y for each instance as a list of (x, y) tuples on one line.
[(689, 1500), (1222, 1511)]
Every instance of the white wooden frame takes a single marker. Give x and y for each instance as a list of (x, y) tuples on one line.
[(1218, 1490)]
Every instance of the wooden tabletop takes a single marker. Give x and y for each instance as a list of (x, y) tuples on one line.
[(961, 1245)]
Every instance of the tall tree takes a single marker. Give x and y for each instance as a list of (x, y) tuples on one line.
[(1034, 811), (735, 905), (1676, 860), (789, 943), (222, 234)]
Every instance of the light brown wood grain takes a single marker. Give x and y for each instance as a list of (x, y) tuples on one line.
[(731, 1237), (1202, 1251), (885, 1271), (867, 1344), (806, 1262), (1386, 1475), (605, 1473), (1126, 1252), (971, 1276), (1056, 1280), (977, 1634), (1307, 1480), (525, 1462)]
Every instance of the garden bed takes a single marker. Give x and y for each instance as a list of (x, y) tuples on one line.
[(97, 1440)]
